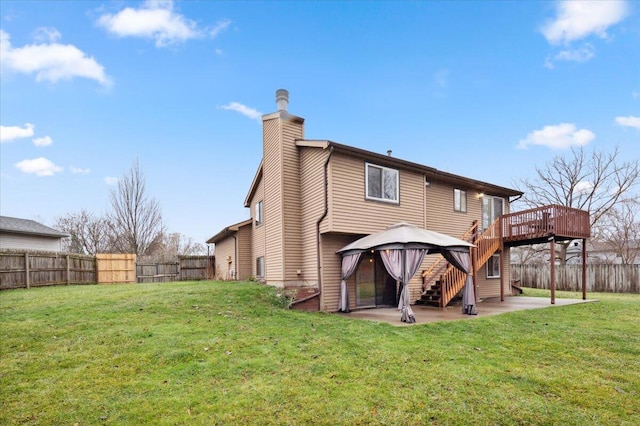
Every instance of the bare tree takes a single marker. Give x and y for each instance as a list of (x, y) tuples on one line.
[(619, 231), (172, 245), (90, 234), (135, 218), (594, 182)]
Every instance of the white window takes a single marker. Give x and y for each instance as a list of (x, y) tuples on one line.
[(492, 208), (382, 183), (459, 200), (260, 267), (493, 266), (258, 213)]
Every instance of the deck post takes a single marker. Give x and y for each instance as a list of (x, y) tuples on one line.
[(584, 269), (474, 260), (552, 251), (501, 277), (501, 239)]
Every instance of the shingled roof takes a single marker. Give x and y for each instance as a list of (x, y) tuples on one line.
[(29, 227)]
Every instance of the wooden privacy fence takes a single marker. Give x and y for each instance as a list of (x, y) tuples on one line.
[(38, 269), (600, 278), (116, 268), (186, 268), (19, 269)]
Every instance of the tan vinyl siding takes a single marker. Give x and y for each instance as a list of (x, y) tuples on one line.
[(272, 178), (245, 259), (351, 212), (291, 201), (225, 258), (490, 287), (441, 217), (331, 266), (258, 235), (312, 195)]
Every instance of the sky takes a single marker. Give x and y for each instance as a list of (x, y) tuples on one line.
[(487, 90)]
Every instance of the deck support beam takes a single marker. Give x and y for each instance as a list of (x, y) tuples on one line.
[(552, 251), (584, 269), (501, 277)]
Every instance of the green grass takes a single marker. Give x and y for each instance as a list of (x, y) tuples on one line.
[(231, 353)]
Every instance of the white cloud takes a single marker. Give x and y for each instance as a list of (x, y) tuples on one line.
[(39, 166), (43, 141), (47, 34), (244, 110), (582, 54), (50, 61), (77, 170), (219, 28), (560, 136), (583, 187), (576, 20), (110, 180), (9, 133), (155, 20), (629, 121)]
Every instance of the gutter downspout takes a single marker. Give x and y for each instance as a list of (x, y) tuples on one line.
[(326, 211), (235, 251)]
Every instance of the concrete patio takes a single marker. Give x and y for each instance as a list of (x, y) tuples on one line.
[(486, 307)]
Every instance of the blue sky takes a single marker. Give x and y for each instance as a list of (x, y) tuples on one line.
[(488, 90)]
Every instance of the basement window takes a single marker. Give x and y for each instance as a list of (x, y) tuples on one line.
[(382, 183), (493, 266)]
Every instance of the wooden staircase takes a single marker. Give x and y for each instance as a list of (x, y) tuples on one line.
[(441, 283)]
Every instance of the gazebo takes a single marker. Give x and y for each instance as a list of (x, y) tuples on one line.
[(402, 248)]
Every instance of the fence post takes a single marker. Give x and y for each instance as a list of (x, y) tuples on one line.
[(68, 277), (26, 269), (96, 266)]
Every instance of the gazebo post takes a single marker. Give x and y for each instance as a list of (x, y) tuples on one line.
[(552, 250), (584, 269)]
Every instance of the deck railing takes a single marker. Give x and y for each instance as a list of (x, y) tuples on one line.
[(524, 226), (540, 222)]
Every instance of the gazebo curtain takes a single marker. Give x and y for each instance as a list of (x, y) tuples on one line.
[(393, 262), (462, 261), (349, 265)]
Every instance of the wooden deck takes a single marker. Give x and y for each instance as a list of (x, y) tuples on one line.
[(543, 224)]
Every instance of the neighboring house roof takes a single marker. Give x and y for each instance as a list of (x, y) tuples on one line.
[(28, 227), (431, 173), (228, 231)]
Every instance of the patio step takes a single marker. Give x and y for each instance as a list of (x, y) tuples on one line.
[(431, 296)]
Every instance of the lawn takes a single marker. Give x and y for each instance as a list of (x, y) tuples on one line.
[(231, 353)]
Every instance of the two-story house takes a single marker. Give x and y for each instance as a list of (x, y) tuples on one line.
[(310, 198)]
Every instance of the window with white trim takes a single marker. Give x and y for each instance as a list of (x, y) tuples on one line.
[(382, 184), (493, 266), (258, 213), (459, 200), (260, 267)]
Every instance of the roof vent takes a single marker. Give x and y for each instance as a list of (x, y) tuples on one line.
[(282, 99), (389, 152)]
